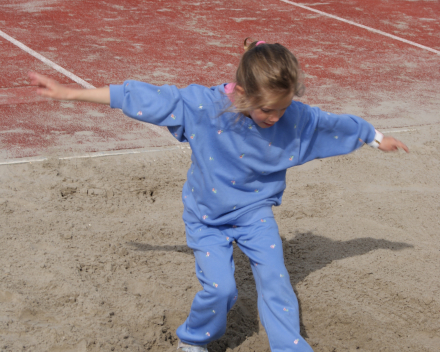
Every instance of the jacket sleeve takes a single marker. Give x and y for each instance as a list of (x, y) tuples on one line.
[(162, 106), (325, 134)]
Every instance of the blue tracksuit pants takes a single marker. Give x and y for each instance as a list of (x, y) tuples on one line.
[(277, 304)]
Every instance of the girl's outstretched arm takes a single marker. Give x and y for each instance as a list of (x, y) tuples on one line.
[(324, 134), (52, 89)]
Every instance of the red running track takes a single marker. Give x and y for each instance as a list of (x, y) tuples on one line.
[(348, 69)]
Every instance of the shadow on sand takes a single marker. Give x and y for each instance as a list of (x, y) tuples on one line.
[(303, 254)]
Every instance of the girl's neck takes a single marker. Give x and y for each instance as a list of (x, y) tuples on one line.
[(229, 89)]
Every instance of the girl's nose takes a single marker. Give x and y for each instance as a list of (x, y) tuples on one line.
[(276, 116)]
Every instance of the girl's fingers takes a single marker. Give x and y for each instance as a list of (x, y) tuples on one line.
[(44, 92), (391, 144), (398, 144), (404, 147), (34, 78), (47, 86), (39, 80)]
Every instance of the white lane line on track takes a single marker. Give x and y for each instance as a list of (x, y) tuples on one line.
[(93, 155), (137, 151), (46, 61), (73, 77), (400, 131), (362, 26)]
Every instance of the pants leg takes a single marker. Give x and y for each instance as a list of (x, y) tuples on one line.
[(277, 302), (215, 271)]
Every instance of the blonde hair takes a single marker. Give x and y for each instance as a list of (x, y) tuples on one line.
[(265, 70)]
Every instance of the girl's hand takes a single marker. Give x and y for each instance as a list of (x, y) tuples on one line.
[(390, 144), (52, 89), (49, 87)]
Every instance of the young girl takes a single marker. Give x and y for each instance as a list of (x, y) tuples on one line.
[(244, 136)]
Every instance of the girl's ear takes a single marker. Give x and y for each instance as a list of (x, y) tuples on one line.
[(239, 89)]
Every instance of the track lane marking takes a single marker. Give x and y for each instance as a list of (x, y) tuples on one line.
[(93, 155), (47, 61), (75, 78), (362, 26)]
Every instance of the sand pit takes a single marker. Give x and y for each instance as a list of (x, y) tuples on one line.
[(93, 254)]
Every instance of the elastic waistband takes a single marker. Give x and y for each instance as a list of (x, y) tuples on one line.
[(240, 220), (253, 216)]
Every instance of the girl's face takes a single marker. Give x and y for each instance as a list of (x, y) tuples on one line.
[(267, 115)]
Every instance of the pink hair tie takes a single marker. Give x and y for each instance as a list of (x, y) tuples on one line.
[(260, 42)]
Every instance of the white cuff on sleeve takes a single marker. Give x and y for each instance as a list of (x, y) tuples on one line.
[(377, 140)]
